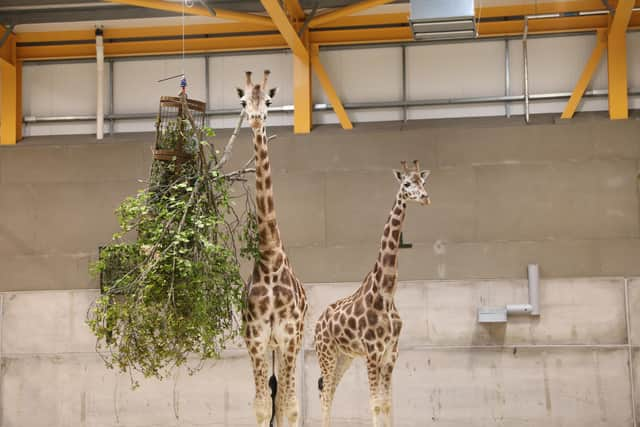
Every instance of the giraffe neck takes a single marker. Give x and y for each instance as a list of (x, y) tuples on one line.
[(268, 232), (386, 269)]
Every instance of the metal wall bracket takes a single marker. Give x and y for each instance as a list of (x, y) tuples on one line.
[(404, 245), (500, 314)]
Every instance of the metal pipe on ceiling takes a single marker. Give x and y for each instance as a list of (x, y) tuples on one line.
[(507, 77), (593, 12), (544, 16), (525, 65), (288, 109), (404, 83), (99, 85), (111, 98)]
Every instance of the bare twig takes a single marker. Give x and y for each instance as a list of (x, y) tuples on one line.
[(226, 154), (238, 172)]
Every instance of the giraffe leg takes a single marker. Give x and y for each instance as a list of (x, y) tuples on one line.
[(344, 362), (327, 358), (286, 399), (386, 379), (260, 363), (377, 402)]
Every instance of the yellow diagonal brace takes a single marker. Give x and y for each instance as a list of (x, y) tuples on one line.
[(7, 103), (323, 77), (301, 66), (617, 61), (283, 24), (587, 74), (621, 18), (198, 10), (346, 11)]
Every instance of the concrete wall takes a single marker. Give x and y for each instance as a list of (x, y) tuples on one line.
[(567, 368), (433, 71), (504, 195)]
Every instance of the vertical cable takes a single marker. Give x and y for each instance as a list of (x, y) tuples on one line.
[(525, 66), (404, 84), (183, 2), (507, 77)]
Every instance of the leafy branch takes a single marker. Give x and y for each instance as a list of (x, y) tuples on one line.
[(171, 282)]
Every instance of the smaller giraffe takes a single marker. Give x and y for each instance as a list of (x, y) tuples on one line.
[(366, 323)]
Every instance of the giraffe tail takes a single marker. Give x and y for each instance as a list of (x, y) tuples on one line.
[(273, 385), (320, 383)]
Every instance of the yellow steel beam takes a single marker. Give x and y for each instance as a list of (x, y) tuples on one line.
[(355, 36), (302, 95), (56, 36), (303, 60), (587, 74), (302, 103), (139, 32), (197, 29), (198, 10), (399, 18), (323, 77), (541, 7), (18, 100), (617, 61), (283, 24), (294, 9), (551, 25), (621, 18), (7, 103), (345, 11), (327, 36), (154, 47)]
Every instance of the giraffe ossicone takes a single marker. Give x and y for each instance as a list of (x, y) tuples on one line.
[(276, 301), (366, 323)]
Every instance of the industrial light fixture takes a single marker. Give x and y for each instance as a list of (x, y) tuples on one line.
[(442, 19)]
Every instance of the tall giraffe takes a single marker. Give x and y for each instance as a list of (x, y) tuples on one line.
[(276, 300), (366, 323)]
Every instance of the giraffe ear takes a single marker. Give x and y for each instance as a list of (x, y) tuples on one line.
[(397, 174), (240, 92), (425, 174), (273, 92)]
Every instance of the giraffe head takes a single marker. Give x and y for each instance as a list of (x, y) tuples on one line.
[(256, 99), (412, 183)]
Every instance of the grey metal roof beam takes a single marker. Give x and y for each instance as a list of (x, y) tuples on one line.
[(18, 12), (80, 14)]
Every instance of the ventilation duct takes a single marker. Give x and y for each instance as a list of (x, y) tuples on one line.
[(442, 19)]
